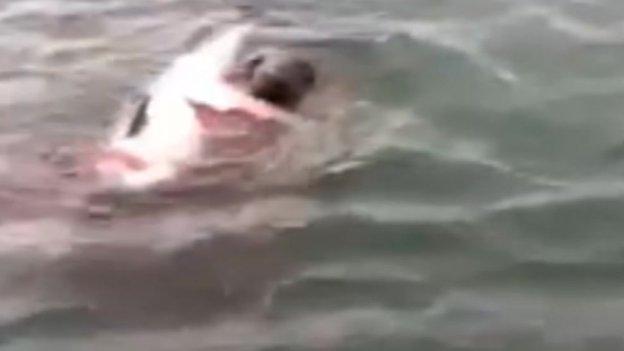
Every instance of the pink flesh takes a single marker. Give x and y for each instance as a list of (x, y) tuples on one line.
[(117, 162), (211, 119), (236, 131)]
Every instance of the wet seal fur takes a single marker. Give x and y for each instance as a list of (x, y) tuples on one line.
[(277, 76)]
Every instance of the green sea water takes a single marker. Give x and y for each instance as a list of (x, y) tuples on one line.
[(485, 213)]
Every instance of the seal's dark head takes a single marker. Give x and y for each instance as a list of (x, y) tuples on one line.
[(278, 77)]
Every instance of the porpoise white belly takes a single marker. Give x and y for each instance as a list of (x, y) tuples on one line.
[(173, 135)]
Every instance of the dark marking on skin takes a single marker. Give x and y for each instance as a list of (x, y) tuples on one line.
[(139, 121)]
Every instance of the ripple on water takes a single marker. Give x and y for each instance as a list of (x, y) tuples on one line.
[(428, 178), (23, 90), (575, 226)]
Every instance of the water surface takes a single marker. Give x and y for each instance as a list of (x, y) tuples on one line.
[(485, 214)]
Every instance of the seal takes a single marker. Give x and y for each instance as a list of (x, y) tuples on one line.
[(276, 76)]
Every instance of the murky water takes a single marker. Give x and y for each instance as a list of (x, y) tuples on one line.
[(484, 214)]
